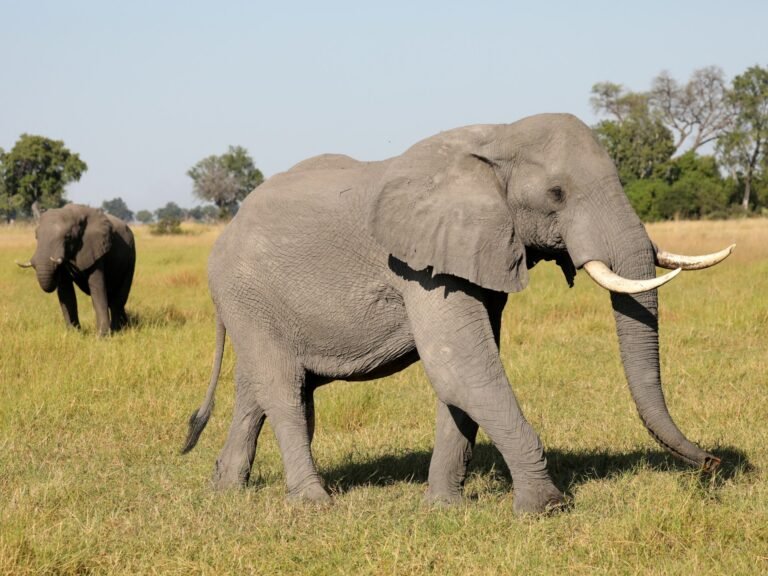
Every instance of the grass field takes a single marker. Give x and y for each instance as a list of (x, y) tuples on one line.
[(91, 480)]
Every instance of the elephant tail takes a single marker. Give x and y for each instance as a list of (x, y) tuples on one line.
[(199, 418)]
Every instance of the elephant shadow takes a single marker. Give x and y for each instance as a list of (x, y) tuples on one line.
[(569, 468), (165, 316)]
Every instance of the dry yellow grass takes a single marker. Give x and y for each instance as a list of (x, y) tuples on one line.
[(91, 481)]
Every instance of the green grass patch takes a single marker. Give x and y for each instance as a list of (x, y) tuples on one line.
[(91, 480)]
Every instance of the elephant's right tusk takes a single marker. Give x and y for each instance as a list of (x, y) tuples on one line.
[(673, 261), (609, 280), (27, 264)]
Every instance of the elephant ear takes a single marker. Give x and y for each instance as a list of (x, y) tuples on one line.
[(442, 206), (96, 239)]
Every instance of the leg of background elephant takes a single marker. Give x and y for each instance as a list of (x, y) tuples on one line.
[(118, 314), (455, 340), (454, 440), (234, 464), (68, 302), (98, 290)]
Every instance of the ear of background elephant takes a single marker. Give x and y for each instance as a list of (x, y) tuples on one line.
[(448, 212), (96, 239)]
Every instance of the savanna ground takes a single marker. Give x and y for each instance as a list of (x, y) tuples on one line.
[(91, 480)]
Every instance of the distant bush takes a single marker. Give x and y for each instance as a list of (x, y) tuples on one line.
[(166, 226)]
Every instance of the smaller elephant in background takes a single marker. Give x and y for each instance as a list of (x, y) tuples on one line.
[(83, 246)]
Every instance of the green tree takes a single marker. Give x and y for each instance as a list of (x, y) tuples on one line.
[(697, 189), (615, 100), (637, 140), (170, 212), (645, 195), (144, 216), (206, 213), (5, 206), (36, 171), (640, 146), (117, 208), (742, 148), (225, 180)]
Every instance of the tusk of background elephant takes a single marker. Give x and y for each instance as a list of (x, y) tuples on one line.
[(674, 261), (609, 280), (27, 264), (56, 260)]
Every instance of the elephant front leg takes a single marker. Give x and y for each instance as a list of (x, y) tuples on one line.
[(454, 440), (456, 343), (98, 289), (68, 302)]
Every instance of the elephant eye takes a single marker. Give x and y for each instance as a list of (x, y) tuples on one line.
[(557, 194)]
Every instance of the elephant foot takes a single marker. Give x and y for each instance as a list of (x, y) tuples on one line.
[(541, 498), (226, 478), (312, 494), (442, 498)]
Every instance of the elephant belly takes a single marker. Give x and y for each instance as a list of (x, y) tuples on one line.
[(350, 327), (358, 345), (316, 283)]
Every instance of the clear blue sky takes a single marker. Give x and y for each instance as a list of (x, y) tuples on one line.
[(142, 90)]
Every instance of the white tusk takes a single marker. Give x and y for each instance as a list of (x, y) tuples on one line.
[(27, 264), (56, 260), (609, 280), (673, 261)]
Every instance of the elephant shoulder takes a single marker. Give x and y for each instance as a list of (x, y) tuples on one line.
[(121, 229)]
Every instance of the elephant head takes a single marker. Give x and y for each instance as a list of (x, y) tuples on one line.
[(486, 202), (74, 237)]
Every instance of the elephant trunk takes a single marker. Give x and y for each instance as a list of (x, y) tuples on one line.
[(638, 331), (621, 243), (46, 274)]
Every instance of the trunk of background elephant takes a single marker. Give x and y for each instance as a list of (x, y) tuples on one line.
[(46, 276)]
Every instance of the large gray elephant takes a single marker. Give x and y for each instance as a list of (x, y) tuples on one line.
[(82, 245), (339, 269)]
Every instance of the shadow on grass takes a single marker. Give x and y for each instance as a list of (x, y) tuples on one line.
[(568, 468), (164, 316)]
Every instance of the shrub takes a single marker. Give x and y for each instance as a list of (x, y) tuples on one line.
[(167, 226)]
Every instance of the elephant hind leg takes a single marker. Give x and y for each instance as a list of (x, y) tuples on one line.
[(118, 316), (291, 413), (271, 384), (234, 464)]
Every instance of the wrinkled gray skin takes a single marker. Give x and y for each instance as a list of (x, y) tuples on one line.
[(96, 253), (338, 269)]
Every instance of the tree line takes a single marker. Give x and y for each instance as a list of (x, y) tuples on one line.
[(683, 150), (656, 138)]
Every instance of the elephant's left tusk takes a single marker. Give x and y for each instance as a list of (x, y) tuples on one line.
[(673, 261), (27, 264), (56, 260), (609, 280)]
